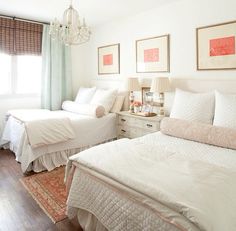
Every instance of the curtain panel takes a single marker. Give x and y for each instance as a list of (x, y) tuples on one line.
[(19, 37), (56, 72)]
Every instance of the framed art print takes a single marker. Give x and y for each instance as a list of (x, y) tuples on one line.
[(109, 59), (216, 48), (152, 54)]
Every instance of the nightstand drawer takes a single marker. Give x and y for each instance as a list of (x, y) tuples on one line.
[(129, 132), (150, 125), (125, 120), (123, 131)]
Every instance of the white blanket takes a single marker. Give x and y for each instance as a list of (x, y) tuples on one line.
[(190, 181), (88, 132), (43, 127)]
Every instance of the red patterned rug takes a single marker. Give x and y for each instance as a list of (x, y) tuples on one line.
[(49, 191)]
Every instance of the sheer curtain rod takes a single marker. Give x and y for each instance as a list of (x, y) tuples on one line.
[(23, 19)]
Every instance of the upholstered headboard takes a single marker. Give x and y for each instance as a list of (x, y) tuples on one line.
[(196, 85)]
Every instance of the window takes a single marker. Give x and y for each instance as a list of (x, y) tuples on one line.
[(28, 74), (20, 74), (20, 56), (5, 74)]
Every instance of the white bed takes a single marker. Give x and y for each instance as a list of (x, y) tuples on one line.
[(89, 131), (155, 182)]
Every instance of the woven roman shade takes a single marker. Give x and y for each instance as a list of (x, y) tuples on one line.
[(19, 37)]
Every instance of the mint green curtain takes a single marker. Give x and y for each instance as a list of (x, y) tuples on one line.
[(56, 72)]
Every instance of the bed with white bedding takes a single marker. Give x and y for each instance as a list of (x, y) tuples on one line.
[(156, 182), (87, 131)]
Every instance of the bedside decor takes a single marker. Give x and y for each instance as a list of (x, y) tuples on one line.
[(160, 85), (152, 54), (132, 85), (109, 59), (216, 46), (137, 106), (147, 101)]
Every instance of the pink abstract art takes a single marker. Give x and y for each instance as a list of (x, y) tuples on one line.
[(151, 55), (107, 60), (222, 46)]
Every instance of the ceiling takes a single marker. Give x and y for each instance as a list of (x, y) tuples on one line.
[(95, 11)]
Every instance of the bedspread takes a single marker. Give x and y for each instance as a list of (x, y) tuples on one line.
[(196, 189)]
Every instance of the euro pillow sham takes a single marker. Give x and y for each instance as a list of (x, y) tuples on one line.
[(195, 107), (106, 98), (85, 95), (225, 110)]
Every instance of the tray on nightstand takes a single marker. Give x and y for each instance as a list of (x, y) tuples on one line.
[(151, 114)]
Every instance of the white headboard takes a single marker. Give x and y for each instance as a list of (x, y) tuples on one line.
[(196, 85)]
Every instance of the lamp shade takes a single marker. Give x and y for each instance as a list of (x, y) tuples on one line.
[(160, 85), (133, 84)]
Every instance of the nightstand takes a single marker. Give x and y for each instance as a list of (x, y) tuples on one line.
[(132, 126)]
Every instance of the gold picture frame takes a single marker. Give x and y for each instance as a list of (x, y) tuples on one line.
[(153, 54), (216, 46), (109, 59)]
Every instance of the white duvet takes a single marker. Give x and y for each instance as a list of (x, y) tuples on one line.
[(88, 131), (44, 127), (196, 180)]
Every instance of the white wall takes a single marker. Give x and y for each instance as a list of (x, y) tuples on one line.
[(179, 19)]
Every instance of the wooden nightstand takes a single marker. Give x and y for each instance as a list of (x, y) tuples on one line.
[(132, 126)]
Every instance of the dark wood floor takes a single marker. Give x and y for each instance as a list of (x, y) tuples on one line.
[(18, 211)]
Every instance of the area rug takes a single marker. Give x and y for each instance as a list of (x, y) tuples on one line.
[(49, 191)]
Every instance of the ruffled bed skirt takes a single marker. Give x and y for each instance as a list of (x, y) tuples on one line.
[(53, 160), (50, 161)]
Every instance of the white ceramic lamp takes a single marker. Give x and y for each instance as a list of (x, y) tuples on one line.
[(132, 85), (160, 85)]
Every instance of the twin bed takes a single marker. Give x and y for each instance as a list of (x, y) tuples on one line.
[(181, 178), (88, 131), (156, 182), (43, 139)]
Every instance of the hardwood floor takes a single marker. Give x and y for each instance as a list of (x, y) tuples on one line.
[(18, 210)]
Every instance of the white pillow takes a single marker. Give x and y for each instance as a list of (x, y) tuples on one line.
[(84, 109), (85, 95), (225, 110), (118, 103), (198, 107), (106, 98)]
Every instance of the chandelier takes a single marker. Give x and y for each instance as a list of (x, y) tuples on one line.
[(71, 31)]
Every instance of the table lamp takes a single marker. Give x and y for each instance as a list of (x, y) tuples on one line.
[(132, 85), (160, 85)]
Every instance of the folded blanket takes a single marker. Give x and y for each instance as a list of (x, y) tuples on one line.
[(84, 109), (43, 128)]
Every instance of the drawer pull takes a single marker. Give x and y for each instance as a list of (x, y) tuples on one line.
[(123, 120), (149, 125), (123, 130)]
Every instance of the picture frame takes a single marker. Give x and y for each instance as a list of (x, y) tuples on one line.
[(216, 46), (109, 59), (153, 54)]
